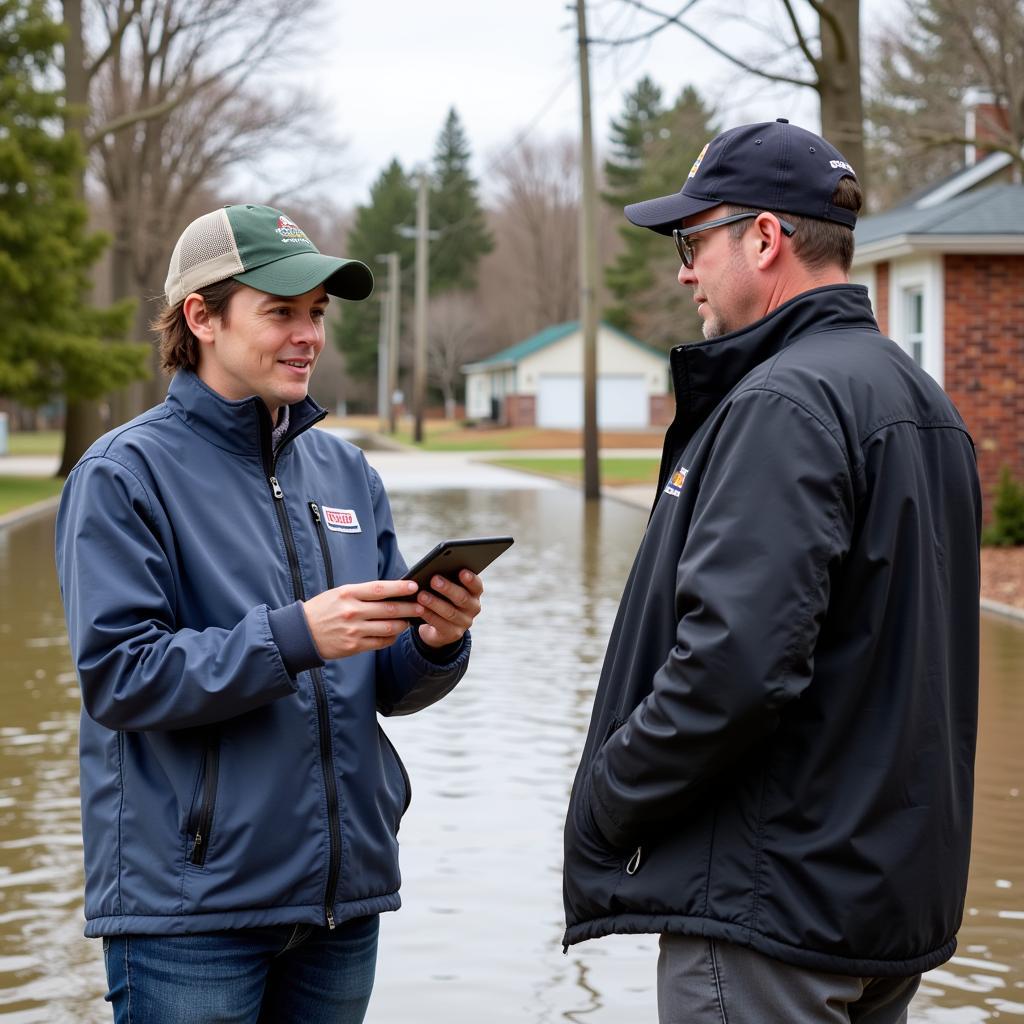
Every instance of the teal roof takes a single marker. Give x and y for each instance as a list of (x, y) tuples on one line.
[(516, 353)]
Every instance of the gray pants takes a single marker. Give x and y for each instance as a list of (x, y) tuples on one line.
[(705, 981)]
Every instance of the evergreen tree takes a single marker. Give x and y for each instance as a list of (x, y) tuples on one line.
[(51, 343), (653, 152), (375, 232), (631, 136), (455, 212)]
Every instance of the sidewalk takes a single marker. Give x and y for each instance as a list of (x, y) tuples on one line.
[(29, 465)]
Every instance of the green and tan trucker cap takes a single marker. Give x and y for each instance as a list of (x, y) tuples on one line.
[(263, 248)]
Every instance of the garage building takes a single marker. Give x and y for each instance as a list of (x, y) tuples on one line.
[(539, 382)]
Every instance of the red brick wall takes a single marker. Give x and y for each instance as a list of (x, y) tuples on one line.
[(984, 368), (882, 296), (520, 411), (662, 409)]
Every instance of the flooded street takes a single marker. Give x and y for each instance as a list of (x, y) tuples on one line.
[(478, 937)]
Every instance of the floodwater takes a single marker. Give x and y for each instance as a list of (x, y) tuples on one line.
[(491, 766)]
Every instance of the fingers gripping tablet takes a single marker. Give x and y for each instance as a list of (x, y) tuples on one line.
[(450, 556)]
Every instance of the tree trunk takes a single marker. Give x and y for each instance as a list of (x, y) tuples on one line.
[(83, 420), (83, 423), (839, 83)]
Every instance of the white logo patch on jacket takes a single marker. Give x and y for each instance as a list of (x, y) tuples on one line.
[(341, 520)]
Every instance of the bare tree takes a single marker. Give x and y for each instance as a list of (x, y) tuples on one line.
[(530, 281), (826, 59), (929, 58), (176, 106), (454, 336)]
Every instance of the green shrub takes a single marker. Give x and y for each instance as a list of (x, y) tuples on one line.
[(1007, 529)]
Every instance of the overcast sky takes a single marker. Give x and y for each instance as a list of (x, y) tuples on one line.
[(389, 70)]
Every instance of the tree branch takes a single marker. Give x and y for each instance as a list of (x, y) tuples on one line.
[(826, 14), (125, 18), (742, 64), (801, 39)]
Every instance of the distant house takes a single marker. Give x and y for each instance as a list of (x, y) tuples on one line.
[(945, 271), (539, 382)]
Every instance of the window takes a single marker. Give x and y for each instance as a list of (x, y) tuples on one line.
[(913, 321)]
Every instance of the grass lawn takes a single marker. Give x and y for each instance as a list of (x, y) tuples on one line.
[(35, 442), (614, 472), (18, 491)]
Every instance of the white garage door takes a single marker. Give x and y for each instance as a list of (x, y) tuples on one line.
[(621, 401)]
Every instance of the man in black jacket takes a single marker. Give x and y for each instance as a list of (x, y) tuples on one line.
[(779, 768)]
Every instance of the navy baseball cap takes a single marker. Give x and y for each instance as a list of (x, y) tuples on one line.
[(773, 165)]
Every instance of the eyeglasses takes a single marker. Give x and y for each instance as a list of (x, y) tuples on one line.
[(685, 249)]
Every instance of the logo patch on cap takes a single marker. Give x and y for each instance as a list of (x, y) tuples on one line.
[(289, 231), (341, 520), (696, 163), (836, 164), (674, 486)]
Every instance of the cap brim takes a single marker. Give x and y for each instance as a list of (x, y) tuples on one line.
[(664, 213), (303, 271)]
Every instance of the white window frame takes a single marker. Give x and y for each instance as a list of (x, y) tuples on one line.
[(924, 274)]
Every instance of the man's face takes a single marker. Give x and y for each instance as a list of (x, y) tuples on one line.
[(722, 281), (267, 345)]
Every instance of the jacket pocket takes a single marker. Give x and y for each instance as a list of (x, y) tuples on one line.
[(406, 784), (202, 824)]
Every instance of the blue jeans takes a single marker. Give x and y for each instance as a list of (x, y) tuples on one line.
[(278, 975)]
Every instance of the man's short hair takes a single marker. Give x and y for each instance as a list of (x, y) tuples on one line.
[(179, 347), (816, 243)]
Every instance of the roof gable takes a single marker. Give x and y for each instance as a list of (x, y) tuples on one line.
[(515, 354), (995, 210)]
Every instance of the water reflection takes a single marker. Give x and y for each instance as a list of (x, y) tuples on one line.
[(478, 938)]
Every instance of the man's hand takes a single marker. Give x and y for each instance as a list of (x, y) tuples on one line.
[(362, 616), (447, 617)]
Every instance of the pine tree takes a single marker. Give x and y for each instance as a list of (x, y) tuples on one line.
[(631, 136), (375, 232), (455, 212), (51, 343), (653, 151)]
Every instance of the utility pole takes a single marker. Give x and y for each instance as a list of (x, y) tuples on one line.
[(394, 307), (588, 272), (419, 360), (423, 235), (383, 347)]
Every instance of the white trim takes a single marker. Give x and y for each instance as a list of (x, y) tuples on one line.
[(926, 273), (898, 246), (993, 163)]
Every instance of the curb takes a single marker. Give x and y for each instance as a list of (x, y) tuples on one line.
[(38, 508), (1006, 611)]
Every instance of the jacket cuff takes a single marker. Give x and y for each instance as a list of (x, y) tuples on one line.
[(293, 638), (437, 655)]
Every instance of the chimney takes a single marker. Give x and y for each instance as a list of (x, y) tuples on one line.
[(987, 120)]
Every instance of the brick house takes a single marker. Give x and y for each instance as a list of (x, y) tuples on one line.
[(945, 272)]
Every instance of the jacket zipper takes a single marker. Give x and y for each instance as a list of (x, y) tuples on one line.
[(321, 535), (320, 696), (201, 843)]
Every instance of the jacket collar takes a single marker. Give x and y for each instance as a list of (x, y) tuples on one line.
[(703, 373), (240, 427)]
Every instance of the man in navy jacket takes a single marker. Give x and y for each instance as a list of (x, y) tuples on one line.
[(778, 774), (231, 581)]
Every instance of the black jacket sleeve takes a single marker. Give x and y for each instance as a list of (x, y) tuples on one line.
[(772, 519)]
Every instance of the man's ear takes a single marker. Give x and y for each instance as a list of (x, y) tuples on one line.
[(198, 317), (767, 233)]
